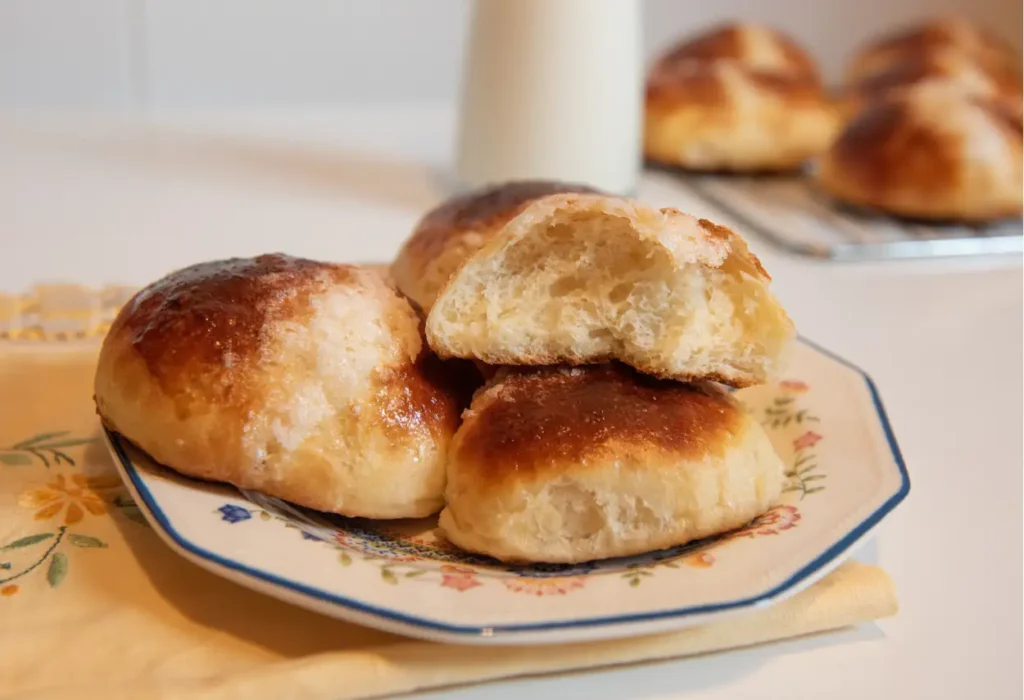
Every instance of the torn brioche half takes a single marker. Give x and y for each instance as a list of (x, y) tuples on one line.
[(579, 279)]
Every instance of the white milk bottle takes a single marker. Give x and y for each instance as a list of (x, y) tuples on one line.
[(552, 89)]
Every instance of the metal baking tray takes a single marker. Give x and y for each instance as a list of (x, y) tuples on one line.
[(789, 213)]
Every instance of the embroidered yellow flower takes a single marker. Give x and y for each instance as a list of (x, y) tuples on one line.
[(79, 494)]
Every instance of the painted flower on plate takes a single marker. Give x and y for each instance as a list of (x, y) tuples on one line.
[(545, 586), (772, 522), (231, 513), (808, 439), (458, 577), (700, 560)]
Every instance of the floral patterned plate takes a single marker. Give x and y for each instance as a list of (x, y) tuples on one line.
[(826, 420)]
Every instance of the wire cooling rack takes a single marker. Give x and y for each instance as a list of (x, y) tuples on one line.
[(787, 212)]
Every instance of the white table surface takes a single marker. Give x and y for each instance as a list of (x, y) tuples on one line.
[(99, 199)]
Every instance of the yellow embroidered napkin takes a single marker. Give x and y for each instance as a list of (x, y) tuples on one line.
[(94, 605)]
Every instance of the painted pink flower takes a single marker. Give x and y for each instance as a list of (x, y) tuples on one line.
[(458, 577), (545, 586), (808, 439), (784, 517), (700, 560), (772, 522), (794, 386)]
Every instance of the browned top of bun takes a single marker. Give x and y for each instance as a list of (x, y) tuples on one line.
[(896, 139), (428, 395), (755, 47), (940, 34), (938, 65), (528, 421), (214, 314), (707, 84), (201, 330), (487, 208)]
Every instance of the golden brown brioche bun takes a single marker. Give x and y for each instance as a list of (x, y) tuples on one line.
[(943, 65), (940, 34), (568, 465), (303, 380), (929, 152), (580, 279), (750, 46), (719, 116), (455, 229)]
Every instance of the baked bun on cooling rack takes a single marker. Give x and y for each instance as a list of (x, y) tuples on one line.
[(566, 465), (750, 46), (930, 152), (582, 278), (455, 229), (940, 34), (304, 380), (943, 65), (720, 116)]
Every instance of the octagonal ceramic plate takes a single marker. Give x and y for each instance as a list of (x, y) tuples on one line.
[(825, 419)]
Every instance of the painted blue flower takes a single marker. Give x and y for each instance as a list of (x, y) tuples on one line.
[(233, 514), (309, 536)]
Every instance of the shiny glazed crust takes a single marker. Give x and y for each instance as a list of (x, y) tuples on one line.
[(458, 227), (940, 34), (943, 65), (568, 465), (303, 380), (720, 116), (930, 152), (750, 46)]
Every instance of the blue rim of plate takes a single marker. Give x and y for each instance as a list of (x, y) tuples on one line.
[(818, 564)]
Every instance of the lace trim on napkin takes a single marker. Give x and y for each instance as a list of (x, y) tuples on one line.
[(60, 312)]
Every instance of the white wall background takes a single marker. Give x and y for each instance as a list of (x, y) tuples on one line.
[(101, 54)]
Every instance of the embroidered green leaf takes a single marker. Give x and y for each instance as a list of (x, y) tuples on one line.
[(58, 456), (86, 541), (58, 569), (26, 541), (73, 442), (15, 459), (814, 477), (816, 489), (808, 468), (40, 438), (634, 582), (389, 576), (264, 515), (413, 574), (345, 559)]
